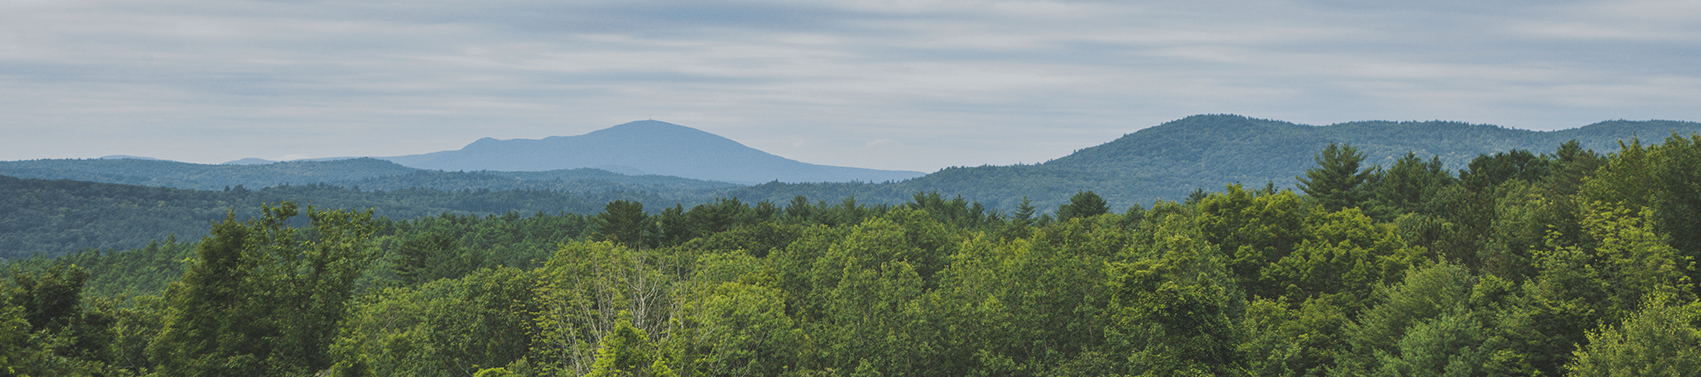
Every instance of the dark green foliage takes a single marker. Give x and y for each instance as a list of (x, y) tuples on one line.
[(1024, 212), (625, 223), (53, 218), (263, 298), (719, 216), (956, 212), (1677, 202), (1083, 204), (1524, 273), (1492, 170), (433, 256), (56, 332), (52, 299), (509, 239), (1411, 185), (1569, 165), (1337, 182)]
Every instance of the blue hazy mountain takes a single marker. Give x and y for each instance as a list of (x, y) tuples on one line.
[(644, 147)]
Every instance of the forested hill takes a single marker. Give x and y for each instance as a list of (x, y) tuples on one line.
[(1238, 146), (55, 217), (1172, 160), (1577, 265), (162, 173), (366, 173), (649, 147)]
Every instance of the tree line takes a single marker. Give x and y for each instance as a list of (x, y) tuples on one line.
[(1521, 264)]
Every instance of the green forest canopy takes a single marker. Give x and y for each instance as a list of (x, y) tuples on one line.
[(1561, 263)]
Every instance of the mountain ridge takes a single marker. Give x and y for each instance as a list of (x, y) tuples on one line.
[(366, 173), (1166, 161), (1170, 160), (653, 147)]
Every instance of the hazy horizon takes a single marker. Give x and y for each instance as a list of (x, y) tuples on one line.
[(915, 85), (540, 138)]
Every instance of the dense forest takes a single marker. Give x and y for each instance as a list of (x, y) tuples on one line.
[(368, 173), (52, 218), (1520, 263)]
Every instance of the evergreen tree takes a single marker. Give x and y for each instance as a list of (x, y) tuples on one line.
[(1488, 171), (1571, 163), (433, 256), (1024, 215), (1337, 182), (1412, 185), (625, 223), (673, 227), (1083, 204)]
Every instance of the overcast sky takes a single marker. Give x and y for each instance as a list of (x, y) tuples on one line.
[(904, 84)]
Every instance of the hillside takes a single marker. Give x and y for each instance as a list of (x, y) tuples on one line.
[(161, 173), (647, 147), (60, 216), (1171, 160), (365, 173)]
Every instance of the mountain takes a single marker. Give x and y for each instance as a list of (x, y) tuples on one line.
[(1166, 162), (650, 147), (1171, 160)]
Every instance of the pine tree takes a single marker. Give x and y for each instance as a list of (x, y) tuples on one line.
[(1337, 182), (1083, 204), (1024, 214), (625, 223)]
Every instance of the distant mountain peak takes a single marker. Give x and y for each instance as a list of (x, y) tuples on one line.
[(647, 123), (652, 128), (645, 146)]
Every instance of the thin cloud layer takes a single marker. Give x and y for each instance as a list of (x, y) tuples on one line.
[(913, 85)]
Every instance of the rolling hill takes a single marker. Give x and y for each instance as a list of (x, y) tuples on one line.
[(1169, 161), (365, 173)]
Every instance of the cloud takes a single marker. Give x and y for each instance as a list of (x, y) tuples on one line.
[(961, 82)]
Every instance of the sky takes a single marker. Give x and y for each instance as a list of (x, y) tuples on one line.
[(905, 85)]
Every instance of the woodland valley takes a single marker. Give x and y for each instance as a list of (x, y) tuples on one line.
[(1214, 245)]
